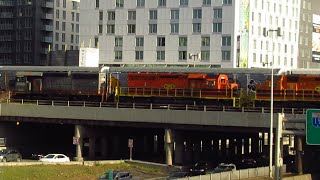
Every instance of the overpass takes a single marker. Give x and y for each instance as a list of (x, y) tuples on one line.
[(187, 129)]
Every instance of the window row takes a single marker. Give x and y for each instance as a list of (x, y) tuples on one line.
[(182, 55), (153, 14), (153, 28), (74, 27), (182, 42), (162, 3)]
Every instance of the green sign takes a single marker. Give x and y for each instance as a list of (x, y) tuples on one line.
[(313, 127)]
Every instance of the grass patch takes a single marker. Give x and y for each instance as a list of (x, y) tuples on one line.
[(76, 172)]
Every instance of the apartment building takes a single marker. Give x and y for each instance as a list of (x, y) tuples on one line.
[(210, 33)]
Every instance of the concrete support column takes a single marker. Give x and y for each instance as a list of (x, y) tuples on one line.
[(232, 147), (239, 146), (207, 152), (169, 146), (196, 149), (179, 149), (92, 147), (223, 146), (299, 151), (246, 145), (255, 144), (104, 149), (215, 146), (78, 135)]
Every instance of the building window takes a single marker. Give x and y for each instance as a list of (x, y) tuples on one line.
[(57, 36), (77, 28), (184, 2), (110, 29), (119, 3), (161, 55), (118, 55), (63, 37), (139, 41), (118, 41), (182, 55), (77, 17), (206, 2), (161, 41), (72, 39), (226, 41), (217, 27), (153, 14), (64, 15), (217, 13), (196, 27), (131, 15), (197, 14), (97, 3), (100, 15), (175, 14), (64, 3), (131, 28), (175, 28), (183, 41), (111, 15), (100, 29), (139, 55), (162, 2), (57, 13), (57, 3), (63, 26), (72, 16), (152, 28), (205, 41), (228, 2), (140, 3), (226, 55), (205, 55), (57, 25)]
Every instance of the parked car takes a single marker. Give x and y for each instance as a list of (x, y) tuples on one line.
[(36, 156), (200, 168), (223, 167), (178, 174), (55, 158), (116, 175), (10, 155), (248, 163)]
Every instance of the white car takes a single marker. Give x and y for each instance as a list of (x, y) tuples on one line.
[(57, 158)]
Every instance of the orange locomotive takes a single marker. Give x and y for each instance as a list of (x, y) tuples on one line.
[(179, 85), (291, 88)]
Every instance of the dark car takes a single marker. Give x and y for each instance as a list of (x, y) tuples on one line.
[(36, 156), (10, 155), (200, 168), (116, 175), (178, 174), (248, 163)]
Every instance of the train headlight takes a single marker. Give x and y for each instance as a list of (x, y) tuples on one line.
[(1, 157)]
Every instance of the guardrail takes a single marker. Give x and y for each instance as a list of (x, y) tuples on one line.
[(184, 107)]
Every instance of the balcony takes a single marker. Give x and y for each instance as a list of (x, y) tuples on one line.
[(47, 4), (47, 28), (46, 39), (6, 26), (47, 16), (6, 3), (6, 15)]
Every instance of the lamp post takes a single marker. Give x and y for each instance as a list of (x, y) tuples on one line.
[(194, 56), (265, 34)]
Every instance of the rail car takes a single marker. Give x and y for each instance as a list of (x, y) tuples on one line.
[(58, 86)]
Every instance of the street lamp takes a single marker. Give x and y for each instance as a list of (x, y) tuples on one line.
[(265, 34), (194, 56)]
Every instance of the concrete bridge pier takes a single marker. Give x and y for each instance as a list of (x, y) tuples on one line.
[(299, 153), (78, 137), (169, 146)]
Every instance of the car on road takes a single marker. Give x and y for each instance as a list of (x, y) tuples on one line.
[(57, 158), (223, 167), (36, 156), (115, 175), (10, 155), (178, 174), (200, 168), (248, 163)]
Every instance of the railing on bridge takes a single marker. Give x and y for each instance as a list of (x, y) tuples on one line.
[(184, 107)]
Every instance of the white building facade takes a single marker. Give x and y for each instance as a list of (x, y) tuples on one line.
[(208, 33), (66, 25)]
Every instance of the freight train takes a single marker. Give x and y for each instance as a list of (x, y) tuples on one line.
[(186, 88)]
